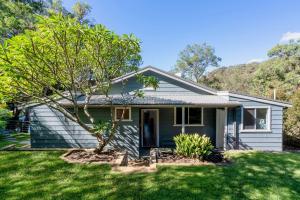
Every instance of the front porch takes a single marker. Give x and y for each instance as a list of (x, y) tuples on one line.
[(159, 125)]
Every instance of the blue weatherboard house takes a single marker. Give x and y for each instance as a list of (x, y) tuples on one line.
[(231, 120)]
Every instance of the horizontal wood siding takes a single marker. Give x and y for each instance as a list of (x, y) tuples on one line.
[(167, 86), (50, 129), (167, 130), (266, 141)]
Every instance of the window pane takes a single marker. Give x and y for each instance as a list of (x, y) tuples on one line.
[(249, 119), (186, 115), (195, 115), (120, 112), (178, 116), (261, 118)]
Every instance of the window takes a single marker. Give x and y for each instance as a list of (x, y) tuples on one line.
[(119, 112), (193, 116), (256, 119)]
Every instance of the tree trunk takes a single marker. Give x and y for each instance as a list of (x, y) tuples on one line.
[(104, 142)]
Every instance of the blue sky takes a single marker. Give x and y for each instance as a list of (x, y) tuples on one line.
[(240, 30)]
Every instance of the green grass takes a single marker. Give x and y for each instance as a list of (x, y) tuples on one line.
[(253, 175), (19, 138)]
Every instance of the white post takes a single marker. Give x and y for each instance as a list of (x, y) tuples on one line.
[(182, 119), (225, 129)]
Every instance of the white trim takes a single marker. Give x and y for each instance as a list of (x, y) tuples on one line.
[(182, 119), (157, 126), (269, 119), (255, 131), (163, 105), (183, 116), (122, 107), (122, 78), (189, 125), (252, 98)]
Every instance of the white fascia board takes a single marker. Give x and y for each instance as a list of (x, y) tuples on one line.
[(252, 98)]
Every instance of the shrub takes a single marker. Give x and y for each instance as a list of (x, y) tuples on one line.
[(193, 145), (292, 122), (5, 114)]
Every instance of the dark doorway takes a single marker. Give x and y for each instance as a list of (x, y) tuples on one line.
[(149, 125)]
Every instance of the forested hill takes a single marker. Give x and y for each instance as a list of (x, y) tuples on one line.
[(233, 78), (281, 72)]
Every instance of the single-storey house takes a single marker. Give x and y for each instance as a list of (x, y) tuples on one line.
[(231, 120)]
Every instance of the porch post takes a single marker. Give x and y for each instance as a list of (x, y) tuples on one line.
[(182, 119), (225, 129)]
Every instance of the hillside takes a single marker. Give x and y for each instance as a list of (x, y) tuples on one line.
[(233, 78)]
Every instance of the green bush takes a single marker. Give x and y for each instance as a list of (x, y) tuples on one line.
[(193, 145), (5, 114)]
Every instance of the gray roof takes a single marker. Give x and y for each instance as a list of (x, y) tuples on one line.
[(155, 100)]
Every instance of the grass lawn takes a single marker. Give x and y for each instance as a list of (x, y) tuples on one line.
[(20, 137), (254, 175)]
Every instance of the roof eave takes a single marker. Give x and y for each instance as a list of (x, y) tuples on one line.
[(255, 98), (154, 69)]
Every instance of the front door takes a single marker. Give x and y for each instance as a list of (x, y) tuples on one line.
[(149, 127)]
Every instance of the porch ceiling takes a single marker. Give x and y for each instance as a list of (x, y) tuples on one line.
[(209, 100)]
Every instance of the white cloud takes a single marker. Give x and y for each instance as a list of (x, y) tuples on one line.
[(255, 60), (290, 36)]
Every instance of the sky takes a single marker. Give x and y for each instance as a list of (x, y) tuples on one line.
[(241, 31)]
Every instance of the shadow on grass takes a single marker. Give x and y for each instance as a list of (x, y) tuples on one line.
[(254, 175)]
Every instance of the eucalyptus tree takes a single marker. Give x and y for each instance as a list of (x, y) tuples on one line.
[(63, 59), (194, 60)]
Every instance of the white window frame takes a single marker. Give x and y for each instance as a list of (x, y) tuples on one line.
[(256, 130), (188, 108), (121, 108)]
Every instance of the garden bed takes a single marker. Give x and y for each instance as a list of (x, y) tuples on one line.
[(120, 163), (88, 156), (170, 157)]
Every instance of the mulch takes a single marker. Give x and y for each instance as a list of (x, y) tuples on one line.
[(171, 157), (88, 156)]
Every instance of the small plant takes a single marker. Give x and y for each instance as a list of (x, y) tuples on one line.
[(193, 145)]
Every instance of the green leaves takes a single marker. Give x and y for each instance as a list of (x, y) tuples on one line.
[(63, 52), (5, 114), (193, 145), (102, 128), (285, 50), (195, 59)]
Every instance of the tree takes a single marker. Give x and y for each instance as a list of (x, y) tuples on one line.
[(5, 114), (195, 59), (17, 16), (292, 122), (81, 10), (63, 59), (285, 50)]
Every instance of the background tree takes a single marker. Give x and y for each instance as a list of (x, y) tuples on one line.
[(292, 122), (71, 59), (17, 16), (195, 59), (81, 10)]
